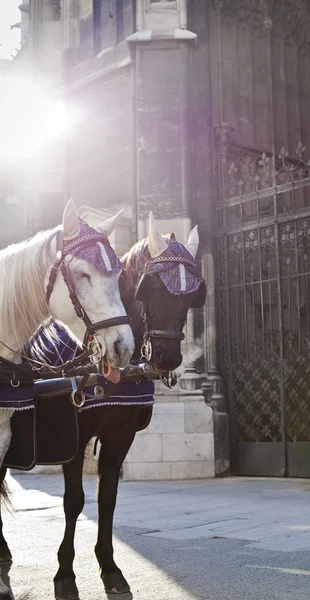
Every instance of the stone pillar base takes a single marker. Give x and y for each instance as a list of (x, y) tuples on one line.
[(177, 444)]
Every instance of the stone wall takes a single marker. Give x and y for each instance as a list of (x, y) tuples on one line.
[(177, 444), (100, 151), (135, 147)]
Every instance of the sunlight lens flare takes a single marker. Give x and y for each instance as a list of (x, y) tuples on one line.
[(29, 118)]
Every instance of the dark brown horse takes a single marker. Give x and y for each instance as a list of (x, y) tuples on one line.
[(163, 285)]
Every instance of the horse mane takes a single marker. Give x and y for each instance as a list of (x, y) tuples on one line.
[(23, 305), (134, 261)]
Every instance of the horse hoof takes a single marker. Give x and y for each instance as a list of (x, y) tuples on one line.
[(65, 589), (5, 554), (115, 583), (5, 593)]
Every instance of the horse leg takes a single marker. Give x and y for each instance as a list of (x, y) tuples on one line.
[(64, 580), (5, 439), (112, 455), (5, 554)]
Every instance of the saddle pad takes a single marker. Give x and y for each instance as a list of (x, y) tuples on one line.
[(45, 435)]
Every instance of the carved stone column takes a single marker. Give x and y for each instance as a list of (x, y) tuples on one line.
[(190, 380), (35, 31), (70, 36), (214, 385), (179, 442)]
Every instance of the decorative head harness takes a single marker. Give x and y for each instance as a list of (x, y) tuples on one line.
[(176, 268), (95, 248)]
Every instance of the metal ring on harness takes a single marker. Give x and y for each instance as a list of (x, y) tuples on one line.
[(75, 393), (147, 350), (15, 383), (170, 379)]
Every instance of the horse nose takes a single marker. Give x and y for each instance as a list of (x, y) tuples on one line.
[(166, 361), (118, 348), (158, 355)]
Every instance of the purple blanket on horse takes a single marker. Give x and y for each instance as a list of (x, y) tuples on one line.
[(127, 393), (49, 434)]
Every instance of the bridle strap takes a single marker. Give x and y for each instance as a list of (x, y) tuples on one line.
[(163, 333), (124, 320), (67, 277), (61, 264), (169, 334)]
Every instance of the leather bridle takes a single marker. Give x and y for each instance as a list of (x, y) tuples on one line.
[(149, 334), (61, 264)]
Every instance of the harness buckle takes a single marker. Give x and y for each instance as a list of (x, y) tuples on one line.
[(97, 348)]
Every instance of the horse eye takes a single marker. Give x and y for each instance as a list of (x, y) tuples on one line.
[(85, 276)]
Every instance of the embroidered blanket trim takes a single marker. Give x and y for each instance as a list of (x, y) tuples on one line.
[(176, 268), (130, 394), (17, 398)]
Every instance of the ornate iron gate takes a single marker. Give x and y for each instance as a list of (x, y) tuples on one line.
[(264, 277)]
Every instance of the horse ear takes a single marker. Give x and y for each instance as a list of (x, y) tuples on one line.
[(157, 243), (70, 221), (106, 227), (193, 242)]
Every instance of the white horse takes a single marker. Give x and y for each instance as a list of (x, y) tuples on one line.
[(25, 273)]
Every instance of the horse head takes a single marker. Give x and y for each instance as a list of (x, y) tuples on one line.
[(83, 286), (164, 284)]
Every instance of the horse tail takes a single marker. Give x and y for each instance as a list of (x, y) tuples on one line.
[(5, 496)]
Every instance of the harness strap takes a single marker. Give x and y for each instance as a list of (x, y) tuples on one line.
[(125, 320), (8, 376), (21, 367), (163, 333)]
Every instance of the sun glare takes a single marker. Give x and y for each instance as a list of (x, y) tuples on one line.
[(29, 118)]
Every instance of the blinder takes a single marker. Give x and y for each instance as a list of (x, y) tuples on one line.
[(199, 298)]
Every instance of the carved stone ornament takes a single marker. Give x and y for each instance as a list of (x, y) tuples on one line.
[(223, 133), (289, 18), (291, 22), (250, 14)]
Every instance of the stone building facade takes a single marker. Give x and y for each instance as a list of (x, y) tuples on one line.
[(199, 110)]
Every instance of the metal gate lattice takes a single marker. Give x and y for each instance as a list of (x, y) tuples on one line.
[(264, 277)]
